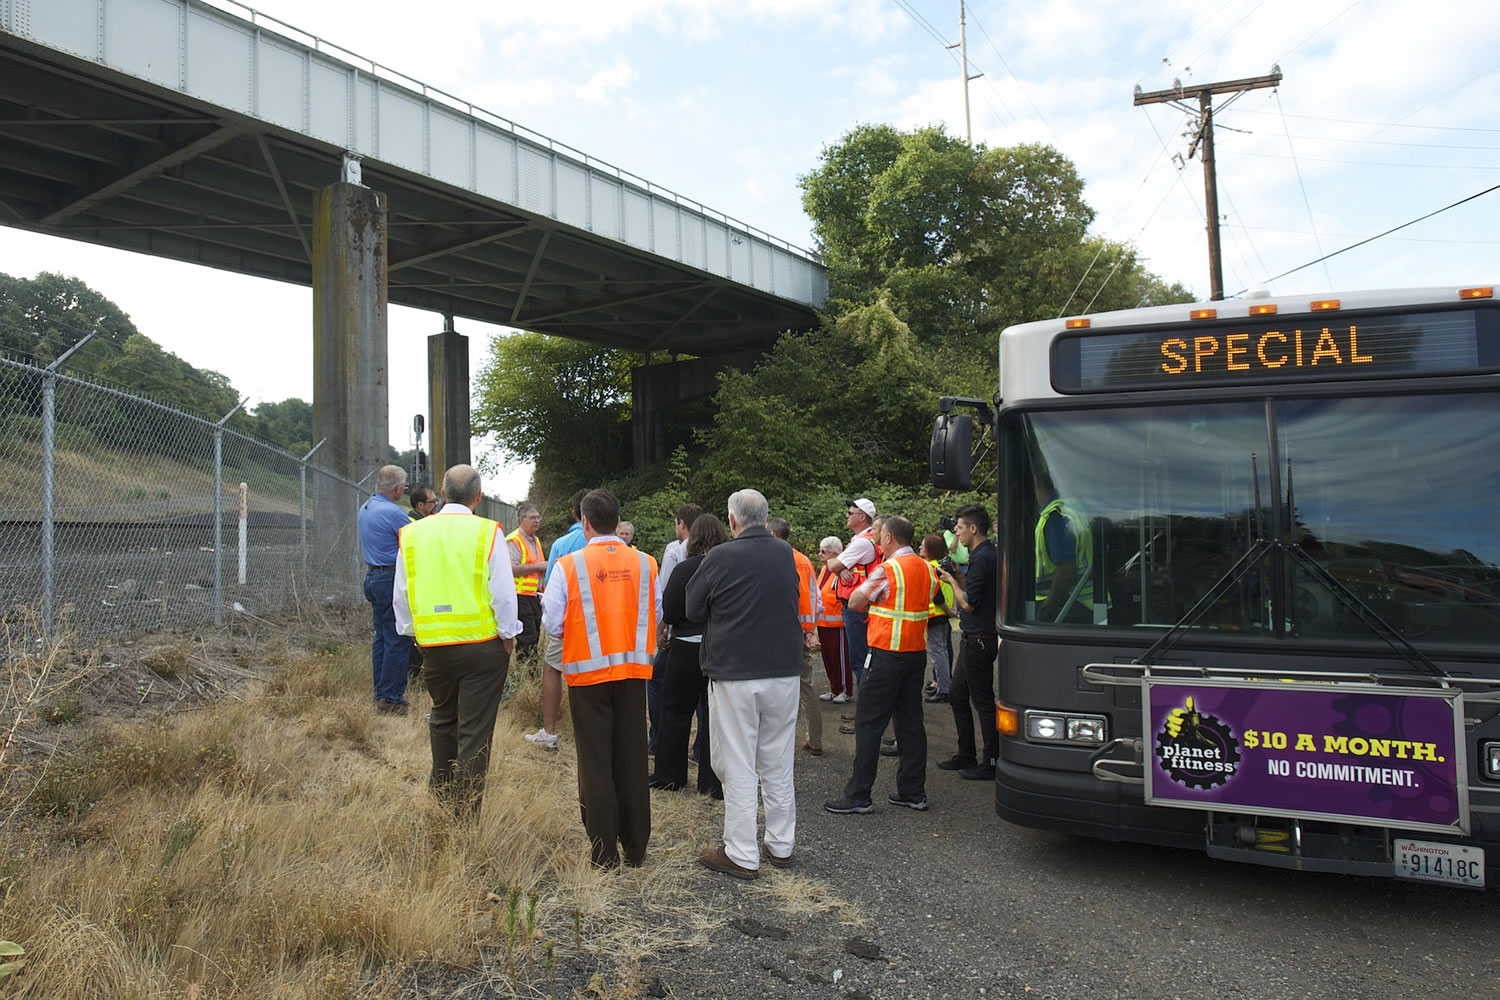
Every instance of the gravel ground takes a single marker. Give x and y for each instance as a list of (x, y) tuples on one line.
[(955, 903)]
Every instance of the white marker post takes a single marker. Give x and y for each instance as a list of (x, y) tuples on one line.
[(244, 532)]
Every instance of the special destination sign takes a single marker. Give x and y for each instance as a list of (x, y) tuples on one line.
[(1318, 347), (1360, 754)]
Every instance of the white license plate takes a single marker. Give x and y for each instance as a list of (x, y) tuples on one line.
[(1429, 861)]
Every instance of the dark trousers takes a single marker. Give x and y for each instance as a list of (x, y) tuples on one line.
[(653, 695), (609, 728), (529, 611), (891, 686), (973, 691), (856, 625), (683, 690), (465, 681), (390, 652)]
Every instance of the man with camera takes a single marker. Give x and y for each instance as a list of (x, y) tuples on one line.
[(974, 676)]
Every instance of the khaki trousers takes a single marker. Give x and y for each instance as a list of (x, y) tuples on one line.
[(812, 712)]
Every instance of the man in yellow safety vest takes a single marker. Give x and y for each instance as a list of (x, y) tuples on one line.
[(455, 593), (527, 564)]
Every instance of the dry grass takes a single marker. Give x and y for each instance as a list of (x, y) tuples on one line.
[(284, 844)]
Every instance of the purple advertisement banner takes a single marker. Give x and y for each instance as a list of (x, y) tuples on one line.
[(1367, 756)]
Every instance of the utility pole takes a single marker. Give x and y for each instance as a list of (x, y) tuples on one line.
[(1205, 136), (963, 71)]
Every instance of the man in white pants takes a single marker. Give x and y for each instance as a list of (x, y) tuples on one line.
[(745, 593)]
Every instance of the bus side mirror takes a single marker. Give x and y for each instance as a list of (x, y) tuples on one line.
[(950, 455)]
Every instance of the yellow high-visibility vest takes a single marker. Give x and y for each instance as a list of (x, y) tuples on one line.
[(527, 583), (447, 578)]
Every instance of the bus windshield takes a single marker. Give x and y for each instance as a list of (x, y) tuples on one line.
[(1127, 516)]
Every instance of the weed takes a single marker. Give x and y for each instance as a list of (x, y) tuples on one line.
[(180, 836), (63, 709)]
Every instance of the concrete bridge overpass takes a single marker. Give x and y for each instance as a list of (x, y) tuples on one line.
[(210, 133)]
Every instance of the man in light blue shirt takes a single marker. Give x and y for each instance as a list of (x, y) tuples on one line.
[(381, 519), (552, 681)]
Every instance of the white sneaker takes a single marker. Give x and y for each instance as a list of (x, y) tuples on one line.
[(826, 696), (840, 698), (541, 736)]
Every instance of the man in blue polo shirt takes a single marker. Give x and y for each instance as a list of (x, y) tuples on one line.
[(381, 519)]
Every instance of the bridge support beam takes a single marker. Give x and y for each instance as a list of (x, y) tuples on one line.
[(657, 391), (351, 390), (448, 399)]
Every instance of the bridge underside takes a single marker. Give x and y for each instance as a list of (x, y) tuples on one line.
[(137, 167)]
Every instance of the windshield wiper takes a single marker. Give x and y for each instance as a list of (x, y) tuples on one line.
[(1242, 566)]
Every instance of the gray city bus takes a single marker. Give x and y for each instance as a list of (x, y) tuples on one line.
[(1250, 577)]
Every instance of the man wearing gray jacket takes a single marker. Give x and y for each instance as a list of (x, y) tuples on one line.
[(745, 593)]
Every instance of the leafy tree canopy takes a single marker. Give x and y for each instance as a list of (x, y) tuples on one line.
[(562, 404)]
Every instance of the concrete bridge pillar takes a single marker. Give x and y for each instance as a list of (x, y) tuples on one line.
[(351, 390), (448, 399)]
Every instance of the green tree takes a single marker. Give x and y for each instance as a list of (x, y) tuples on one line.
[(562, 404), (288, 423), (964, 239)]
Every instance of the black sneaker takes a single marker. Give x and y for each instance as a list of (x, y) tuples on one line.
[(956, 763), (979, 772), (919, 803), (842, 806), (890, 750)]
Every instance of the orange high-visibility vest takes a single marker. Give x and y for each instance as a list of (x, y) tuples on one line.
[(862, 571), (830, 614), (527, 583), (898, 621), (806, 593), (609, 628)]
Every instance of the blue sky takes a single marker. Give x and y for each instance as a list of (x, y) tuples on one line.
[(1385, 113)]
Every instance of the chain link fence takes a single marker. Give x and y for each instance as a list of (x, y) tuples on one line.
[(120, 514)]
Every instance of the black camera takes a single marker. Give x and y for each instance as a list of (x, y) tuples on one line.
[(947, 523), (947, 564)]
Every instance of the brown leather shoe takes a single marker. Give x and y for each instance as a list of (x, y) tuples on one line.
[(812, 750), (776, 862), (717, 860)]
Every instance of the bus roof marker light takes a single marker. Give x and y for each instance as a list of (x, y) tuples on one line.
[(1266, 309), (1323, 305), (1081, 323), (1204, 314), (1486, 292)]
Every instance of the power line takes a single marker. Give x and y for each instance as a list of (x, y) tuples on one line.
[(1367, 163), (1230, 31), (1191, 35), (1315, 34), (1445, 94), (1317, 240), (1019, 85), (1351, 236), (1413, 222), (1359, 121)]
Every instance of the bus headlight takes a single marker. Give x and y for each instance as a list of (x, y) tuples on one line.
[(1490, 758), (1086, 730), (1046, 727), (1073, 730)]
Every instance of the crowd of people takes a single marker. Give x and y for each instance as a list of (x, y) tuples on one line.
[(728, 630)]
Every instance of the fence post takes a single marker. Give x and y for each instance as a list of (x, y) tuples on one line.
[(302, 477), (219, 514), (49, 465)]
